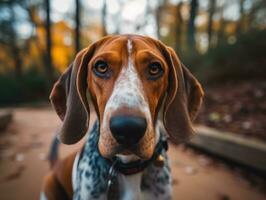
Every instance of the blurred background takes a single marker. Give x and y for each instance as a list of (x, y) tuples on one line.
[(222, 42)]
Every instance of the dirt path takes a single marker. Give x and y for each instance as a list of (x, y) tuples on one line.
[(23, 149)]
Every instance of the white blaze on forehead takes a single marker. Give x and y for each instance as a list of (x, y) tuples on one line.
[(129, 47), (128, 91)]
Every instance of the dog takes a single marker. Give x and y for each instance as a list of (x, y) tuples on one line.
[(142, 95)]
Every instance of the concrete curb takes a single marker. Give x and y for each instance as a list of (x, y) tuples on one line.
[(245, 151)]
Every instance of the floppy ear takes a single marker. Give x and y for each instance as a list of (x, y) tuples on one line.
[(183, 100), (68, 98)]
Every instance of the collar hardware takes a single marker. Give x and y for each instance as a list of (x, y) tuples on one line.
[(159, 162), (111, 176)]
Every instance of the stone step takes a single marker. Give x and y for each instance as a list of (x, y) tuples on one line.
[(245, 151)]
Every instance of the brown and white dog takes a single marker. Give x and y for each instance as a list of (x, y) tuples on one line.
[(135, 84)]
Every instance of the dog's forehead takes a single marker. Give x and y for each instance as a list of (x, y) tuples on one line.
[(132, 43)]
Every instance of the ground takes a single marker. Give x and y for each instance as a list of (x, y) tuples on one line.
[(24, 146), (238, 107)]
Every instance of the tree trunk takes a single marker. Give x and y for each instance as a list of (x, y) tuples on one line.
[(158, 15), (240, 23), (210, 22), (104, 32), (191, 24), (179, 24), (221, 36), (14, 46), (158, 21), (77, 29), (251, 15), (17, 61), (48, 66)]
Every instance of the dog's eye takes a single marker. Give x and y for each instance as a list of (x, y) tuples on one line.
[(155, 70), (100, 68)]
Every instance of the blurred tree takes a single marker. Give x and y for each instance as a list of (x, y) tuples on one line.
[(221, 30), (14, 43), (104, 13), (257, 5), (210, 21), (179, 24), (61, 50), (9, 36), (240, 24), (158, 16), (77, 29), (142, 24), (118, 16), (38, 43), (191, 24), (48, 66)]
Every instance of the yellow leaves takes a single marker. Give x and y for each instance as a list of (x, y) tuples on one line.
[(41, 36), (62, 50), (231, 27), (5, 59), (61, 57)]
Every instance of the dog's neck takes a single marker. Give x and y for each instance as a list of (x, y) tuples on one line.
[(90, 181), (130, 186)]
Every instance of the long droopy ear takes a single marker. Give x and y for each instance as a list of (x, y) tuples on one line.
[(68, 98), (183, 100)]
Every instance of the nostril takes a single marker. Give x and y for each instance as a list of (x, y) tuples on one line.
[(128, 129)]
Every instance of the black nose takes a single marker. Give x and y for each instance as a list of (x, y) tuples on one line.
[(128, 130)]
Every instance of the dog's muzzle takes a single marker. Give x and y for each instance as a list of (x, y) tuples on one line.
[(128, 130)]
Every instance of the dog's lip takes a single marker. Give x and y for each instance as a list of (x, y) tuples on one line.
[(126, 152), (127, 158), (129, 152)]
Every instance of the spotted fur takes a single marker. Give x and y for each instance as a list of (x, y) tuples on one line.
[(92, 171)]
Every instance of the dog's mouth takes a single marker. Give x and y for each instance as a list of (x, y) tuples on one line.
[(126, 152), (109, 147), (128, 157)]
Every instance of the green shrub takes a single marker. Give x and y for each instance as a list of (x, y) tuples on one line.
[(245, 59), (32, 86)]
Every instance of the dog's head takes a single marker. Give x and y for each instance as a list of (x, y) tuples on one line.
[(133, 82)]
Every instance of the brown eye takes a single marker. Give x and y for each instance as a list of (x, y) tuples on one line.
[(155, 70), (100, 68)]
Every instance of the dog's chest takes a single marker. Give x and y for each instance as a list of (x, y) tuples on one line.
[(91, 173)]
